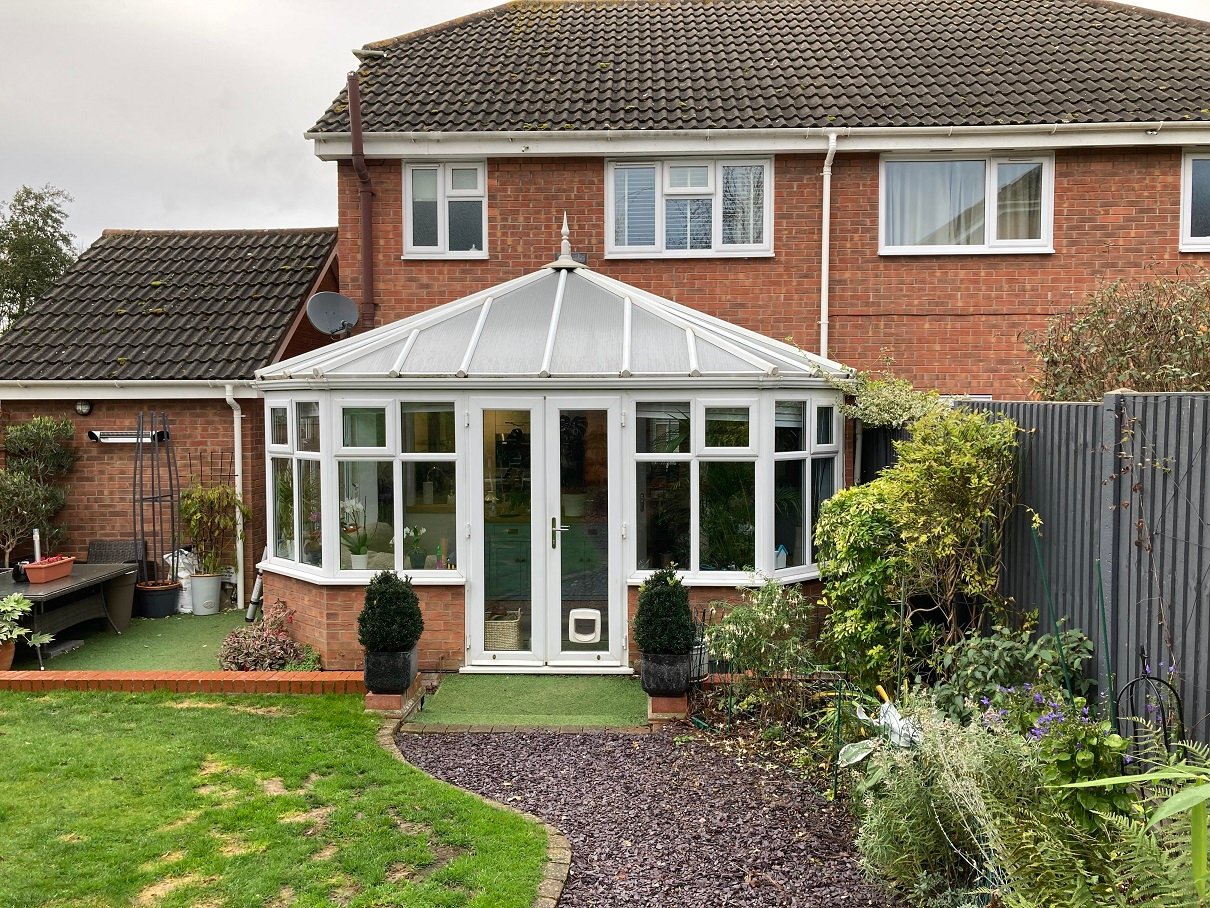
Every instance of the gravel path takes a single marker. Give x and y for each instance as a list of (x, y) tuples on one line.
[(663, 819)]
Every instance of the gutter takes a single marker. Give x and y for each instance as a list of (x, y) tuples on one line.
[(237, 435), (825, 250), (365, 194), (126, 390)]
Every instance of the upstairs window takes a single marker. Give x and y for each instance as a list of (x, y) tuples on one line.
[(966, 205), (1195, 203), (445, 210), (688, 208)]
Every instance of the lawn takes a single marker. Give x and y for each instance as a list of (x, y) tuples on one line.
[(535, 700), (177, 643), (186, 801)]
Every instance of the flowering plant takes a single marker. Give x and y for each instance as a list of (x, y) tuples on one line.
[(353, 532), (411, 537)]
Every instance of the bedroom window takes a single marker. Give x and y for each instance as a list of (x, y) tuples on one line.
[(1195, 203), (445, 210)]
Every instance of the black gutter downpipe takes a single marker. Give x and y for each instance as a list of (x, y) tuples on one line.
[(366, 197)]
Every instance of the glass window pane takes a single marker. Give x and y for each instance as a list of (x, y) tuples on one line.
[(823, 484), (424, 207), (367, 512), (306, 418), (727, 516), (429, 507), (1019, 201), (279, 428), (428, 428), (689, 176), (726, 427), (687, 223), (1199, 215), (825, 426), (466, 225), (789, 487), (788, 428), (663, 511), (583, 548), (282, 469), (310, 517), (508, 538), (743, 204), (663, 428), (364, 427), (464, 178), (634, 206), (934, 203)]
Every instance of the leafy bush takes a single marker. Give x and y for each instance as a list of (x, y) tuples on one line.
[(266, 646), (663, 623), (25, 506), (209, 514), (41, 448), (39, 453), (888, 401), (390, 621), (1149, 336)]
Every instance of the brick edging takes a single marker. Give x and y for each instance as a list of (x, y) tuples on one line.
[(216, 682), (558, 848)]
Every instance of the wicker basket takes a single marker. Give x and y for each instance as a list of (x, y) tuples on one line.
[(503, 632)]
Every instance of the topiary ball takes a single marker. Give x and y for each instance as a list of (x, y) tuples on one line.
[(663, 622), (390, 621)]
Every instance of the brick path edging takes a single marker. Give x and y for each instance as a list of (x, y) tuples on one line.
[(217, 682), (558, 848)]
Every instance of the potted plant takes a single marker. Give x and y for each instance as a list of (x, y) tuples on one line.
[(353, 534), (412, 548), (13, 608), (211, 515), (664, 633), (389, 629)]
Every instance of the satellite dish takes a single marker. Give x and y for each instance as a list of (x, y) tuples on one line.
[(331, 313)]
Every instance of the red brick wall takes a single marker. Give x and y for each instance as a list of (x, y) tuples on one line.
[(951, 322), (99, 501)]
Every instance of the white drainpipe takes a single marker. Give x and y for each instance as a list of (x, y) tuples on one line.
[(825, 264), (237, 433)]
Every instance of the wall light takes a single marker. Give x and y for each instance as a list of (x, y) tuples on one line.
[(83, 407)]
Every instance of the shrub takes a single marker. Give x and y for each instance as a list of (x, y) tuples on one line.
[(390, 621), (663, 623), (889, 401), (1149, 336), (39, 454), (266, 646)]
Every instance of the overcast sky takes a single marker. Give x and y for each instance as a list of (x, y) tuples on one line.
[(190, 113)]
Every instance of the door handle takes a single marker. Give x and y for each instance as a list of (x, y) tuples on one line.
[(555, 529)]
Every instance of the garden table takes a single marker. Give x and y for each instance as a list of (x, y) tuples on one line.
[(69, 600)]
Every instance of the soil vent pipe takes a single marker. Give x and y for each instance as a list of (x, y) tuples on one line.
[(365, 192), (825, 252)]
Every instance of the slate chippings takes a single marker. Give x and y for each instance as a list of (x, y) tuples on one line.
[(663, 819)]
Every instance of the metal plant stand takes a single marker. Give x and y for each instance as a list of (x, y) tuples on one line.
[(156, 495)]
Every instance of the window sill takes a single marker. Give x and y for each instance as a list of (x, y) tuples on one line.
[(961, 250), (1195, 246), (733, 579), (317, 577), (444, 256), (706, 254)]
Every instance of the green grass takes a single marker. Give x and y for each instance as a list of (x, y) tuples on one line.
[(535, 700), (182, 801), (176, 643)]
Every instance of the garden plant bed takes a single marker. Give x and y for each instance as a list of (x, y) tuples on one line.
[(667, 818)]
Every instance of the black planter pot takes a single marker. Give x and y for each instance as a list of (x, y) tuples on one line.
[(390, 673), (156, 601), (663, 675)]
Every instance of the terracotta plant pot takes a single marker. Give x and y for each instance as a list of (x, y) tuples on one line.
[(7, 650), (45, 572)]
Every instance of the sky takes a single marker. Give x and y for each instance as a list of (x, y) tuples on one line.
[(190, 114)]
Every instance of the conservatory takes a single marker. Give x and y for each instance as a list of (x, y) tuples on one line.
[(541, 446)]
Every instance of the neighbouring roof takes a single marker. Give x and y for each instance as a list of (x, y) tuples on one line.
[(557, 323), (580, 65), (165, 305)]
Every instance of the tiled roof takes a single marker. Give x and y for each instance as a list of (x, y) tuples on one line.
[(168, 305), (755, 64)]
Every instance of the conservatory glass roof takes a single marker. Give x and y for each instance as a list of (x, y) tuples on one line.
[(563, 321)]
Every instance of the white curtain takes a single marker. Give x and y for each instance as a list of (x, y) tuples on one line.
[(934, 203)]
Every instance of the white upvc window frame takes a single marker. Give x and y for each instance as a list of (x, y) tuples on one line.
[(1188, 242), (664, 190), (445, 192), (991, 245)]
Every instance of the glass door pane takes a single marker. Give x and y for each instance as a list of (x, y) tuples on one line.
[(581, 540), (508, 623)]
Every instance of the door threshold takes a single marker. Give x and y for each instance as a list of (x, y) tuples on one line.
[(546, 670)]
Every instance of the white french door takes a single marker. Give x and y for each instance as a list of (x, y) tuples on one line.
[(546, 586)]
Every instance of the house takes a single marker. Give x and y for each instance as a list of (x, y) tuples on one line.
[(918, 180), (165, 322)]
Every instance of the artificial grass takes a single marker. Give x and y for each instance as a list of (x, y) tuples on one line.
[(176, 801), (176, 643), (535, 700)]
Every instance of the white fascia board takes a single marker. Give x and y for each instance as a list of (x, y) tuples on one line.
[(126, 390), (602, 384), (338, 146)]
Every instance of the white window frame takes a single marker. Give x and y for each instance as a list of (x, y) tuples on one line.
[(990, 245), (445, 192), (1190, 243), (664, 190)]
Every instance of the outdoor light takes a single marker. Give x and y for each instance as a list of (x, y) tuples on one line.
[(83, 407)]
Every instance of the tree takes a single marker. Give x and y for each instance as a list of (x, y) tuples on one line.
[(35, 248)]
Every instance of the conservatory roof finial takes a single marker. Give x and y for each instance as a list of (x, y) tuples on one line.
[(565, 260)]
